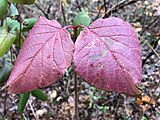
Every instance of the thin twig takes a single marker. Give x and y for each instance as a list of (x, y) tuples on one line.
[(24, 116), (31, 9), (49, 7), (148, 56), (146, 42), (32, 110), (5, 109), (11, 51), (3, 87), (152, 49), (151, 23), (20, 21), (105, 7), (45, 14), (100, 9), (76, 96), (118, 6), (99, 12), (63, 12), (151, 53), (78, 5), (115, 111)]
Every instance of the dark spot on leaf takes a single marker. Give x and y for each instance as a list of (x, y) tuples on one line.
[(91, 65), (48, 56), (97, 74)]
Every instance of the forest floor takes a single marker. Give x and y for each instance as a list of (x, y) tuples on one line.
[(95, 104)]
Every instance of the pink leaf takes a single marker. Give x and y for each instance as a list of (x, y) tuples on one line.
[(44, 57), (108, 56)]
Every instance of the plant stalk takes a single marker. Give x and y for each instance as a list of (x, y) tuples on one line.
[(20, 21), (76, 96), (75, 81)]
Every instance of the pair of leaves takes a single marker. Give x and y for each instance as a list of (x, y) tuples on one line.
[(14, 25), (14, 28), (106, 55)]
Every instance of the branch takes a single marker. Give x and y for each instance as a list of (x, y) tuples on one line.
[(45, 14), (103, 6), (150, 24), (105, 3), (151, 53), (63, 12), (118, 6), (20, 21), (98, 12), (78, 5)]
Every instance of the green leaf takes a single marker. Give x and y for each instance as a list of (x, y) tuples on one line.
[(28, 24), (100, 107), (23, 98), (14, 27), (12, 24), (5, 71), (24, 1), (13, 10), (81, 18), (3, 8), (39, 94), (6, 41), (144, 118), (93, 88)]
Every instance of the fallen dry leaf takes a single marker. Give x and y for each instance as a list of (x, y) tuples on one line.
[(145, 99)]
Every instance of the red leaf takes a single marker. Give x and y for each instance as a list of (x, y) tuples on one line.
[(44, 57), (108, 56)]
